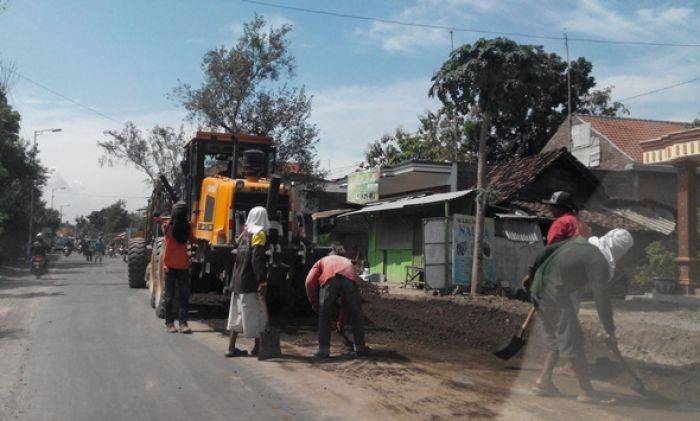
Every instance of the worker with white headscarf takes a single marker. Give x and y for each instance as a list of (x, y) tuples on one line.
[(559, 271), (247, 314)]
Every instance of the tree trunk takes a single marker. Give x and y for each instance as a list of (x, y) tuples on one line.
[(480, 203)]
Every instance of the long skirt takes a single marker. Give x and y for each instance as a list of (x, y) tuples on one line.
[(246, 315)]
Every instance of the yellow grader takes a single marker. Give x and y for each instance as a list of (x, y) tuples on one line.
[(225, 177)]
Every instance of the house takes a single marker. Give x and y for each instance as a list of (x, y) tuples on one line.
[(611, 148), (609, 143)]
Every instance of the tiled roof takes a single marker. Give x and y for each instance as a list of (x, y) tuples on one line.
[(627, 133), (506, 179)]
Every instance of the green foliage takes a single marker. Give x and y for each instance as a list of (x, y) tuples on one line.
[(599, 102), (245, 90), (106, 222), (19, 174), (660, 264), (158, 152)]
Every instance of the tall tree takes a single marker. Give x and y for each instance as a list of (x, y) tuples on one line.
[(599, 102), (245, 90), (491, 79), (158, 152), (19, 174), (110, 220)]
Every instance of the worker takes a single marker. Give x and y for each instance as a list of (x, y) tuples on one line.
[(329, 279), (247, 313), (176, 264), (99, 249), (559, 270), (567, 223)]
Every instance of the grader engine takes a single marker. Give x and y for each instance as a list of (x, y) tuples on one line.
[(225, 177)]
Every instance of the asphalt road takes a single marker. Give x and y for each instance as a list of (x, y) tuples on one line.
[(78, 344)]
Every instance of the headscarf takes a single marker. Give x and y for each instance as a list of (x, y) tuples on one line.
[(257, 220), (613, 246)]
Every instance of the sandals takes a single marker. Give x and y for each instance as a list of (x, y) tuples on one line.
[(236, 353)]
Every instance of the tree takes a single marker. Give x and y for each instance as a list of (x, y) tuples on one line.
[(492, 80), (439, 137), (245, 90), (19, 174), (160, 152), (598, 102), (110, 220)]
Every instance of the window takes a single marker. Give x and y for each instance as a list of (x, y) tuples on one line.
[(209, 209)]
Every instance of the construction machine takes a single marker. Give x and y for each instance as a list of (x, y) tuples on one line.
[(225, 177)]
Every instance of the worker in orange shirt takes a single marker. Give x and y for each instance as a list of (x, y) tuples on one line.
[(176, 264), (329, 279)]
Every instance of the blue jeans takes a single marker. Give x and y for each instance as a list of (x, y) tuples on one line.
[(177, 282)]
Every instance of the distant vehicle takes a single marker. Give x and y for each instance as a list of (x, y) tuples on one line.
[(67, 251)]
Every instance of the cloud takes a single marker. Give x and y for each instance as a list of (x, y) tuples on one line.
[(73, 153), (407, 39), (349, 117)]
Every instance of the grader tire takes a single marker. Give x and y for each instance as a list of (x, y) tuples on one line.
[(137, 262)]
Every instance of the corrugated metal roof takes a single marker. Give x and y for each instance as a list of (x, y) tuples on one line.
[(655, 223), (410, 201), (519, 229), (329, 213)]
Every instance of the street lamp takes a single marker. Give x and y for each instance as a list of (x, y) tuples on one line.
[(31, 194), (53, 191)]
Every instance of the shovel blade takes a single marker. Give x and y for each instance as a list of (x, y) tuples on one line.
[(509, 351)]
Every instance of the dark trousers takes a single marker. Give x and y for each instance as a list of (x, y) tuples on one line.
[(177, 282), (328, 295)]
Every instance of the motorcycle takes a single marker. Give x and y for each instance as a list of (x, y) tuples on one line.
[(38, 265), (67, 251), (111, 252)]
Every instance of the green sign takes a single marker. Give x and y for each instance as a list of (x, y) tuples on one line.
[(363, 187)]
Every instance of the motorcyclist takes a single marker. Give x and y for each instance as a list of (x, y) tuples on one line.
[(39, 248)]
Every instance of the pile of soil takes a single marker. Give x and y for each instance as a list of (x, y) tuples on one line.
[(461, 328)]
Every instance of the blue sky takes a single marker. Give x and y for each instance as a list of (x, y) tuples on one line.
[(367, 78)]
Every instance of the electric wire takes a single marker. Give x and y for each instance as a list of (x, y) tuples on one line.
[(464, 29), (664, 88)]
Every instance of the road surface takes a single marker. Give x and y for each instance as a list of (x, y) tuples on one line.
[(78, 344)]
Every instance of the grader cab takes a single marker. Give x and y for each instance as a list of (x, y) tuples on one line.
[(225, 177)]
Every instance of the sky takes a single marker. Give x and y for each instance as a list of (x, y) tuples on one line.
[(122, 58)]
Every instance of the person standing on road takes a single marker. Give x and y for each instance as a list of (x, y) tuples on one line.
[(329, 279), (560, 270), (247, 313), (567, 223), (99, 249), (176, 264)]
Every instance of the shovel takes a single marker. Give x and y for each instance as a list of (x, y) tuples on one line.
[(639, 386), (517, 342)]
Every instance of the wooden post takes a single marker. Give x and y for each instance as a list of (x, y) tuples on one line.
[(686, 227), (480, 203)]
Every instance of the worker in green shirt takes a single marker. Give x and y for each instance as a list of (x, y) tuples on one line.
[(558, 271)]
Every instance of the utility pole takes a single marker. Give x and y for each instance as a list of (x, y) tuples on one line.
[(568, 87), (35, 150)]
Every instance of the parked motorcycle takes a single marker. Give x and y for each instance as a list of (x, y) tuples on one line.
[(38, 266)]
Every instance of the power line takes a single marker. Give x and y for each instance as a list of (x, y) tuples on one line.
[(675, 85), (42, 86), (464, 29), (106, 196)]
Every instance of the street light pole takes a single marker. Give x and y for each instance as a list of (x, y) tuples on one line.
[(60, 213), (31, 193), (53, 191)]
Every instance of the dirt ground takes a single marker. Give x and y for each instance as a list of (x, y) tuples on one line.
[(432, 355)]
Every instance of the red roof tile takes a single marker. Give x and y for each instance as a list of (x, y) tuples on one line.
[(627, 133)]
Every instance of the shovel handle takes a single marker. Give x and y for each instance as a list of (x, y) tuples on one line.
[(527, 321)]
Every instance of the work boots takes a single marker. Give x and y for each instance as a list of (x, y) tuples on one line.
[(171, 328), (185, 329)]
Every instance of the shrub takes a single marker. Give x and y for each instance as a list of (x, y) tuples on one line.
[(660, 264)]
